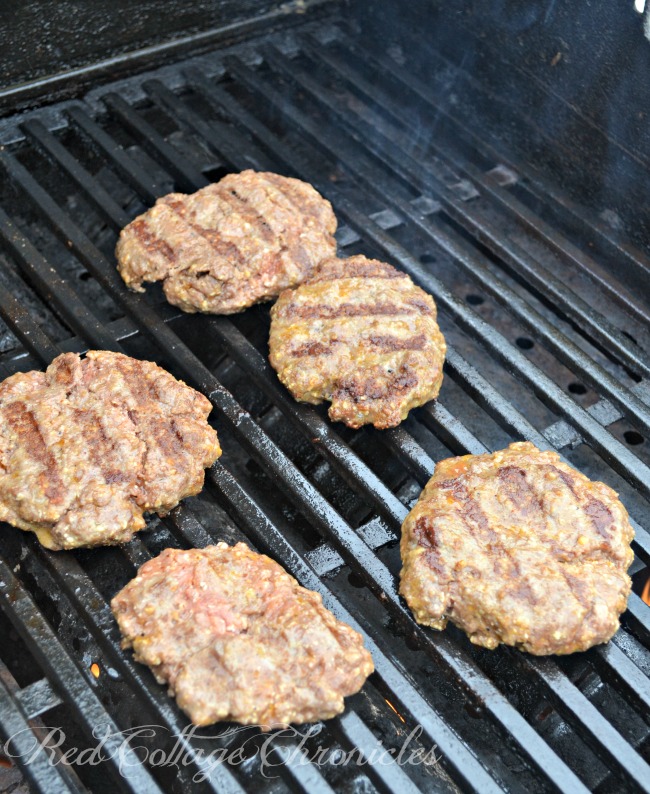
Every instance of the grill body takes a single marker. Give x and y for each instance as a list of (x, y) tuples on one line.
[(542, 301)]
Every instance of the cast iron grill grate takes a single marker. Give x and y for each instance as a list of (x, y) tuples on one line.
[(545, 345)]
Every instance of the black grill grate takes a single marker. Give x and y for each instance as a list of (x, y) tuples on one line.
[(327, 503)]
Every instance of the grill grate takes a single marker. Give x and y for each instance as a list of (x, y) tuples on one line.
[(325, 502)]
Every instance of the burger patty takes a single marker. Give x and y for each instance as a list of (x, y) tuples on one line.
[(518, 548), (360, 334), (236, 638), (231, 244), (90, 444)]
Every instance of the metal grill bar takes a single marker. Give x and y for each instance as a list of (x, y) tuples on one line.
[(19, 318), (100, 198), (37, 698), (612, 663), (637, 615), (185, 176), (13, 723), (357, 737), (131, 171), (50, 283)]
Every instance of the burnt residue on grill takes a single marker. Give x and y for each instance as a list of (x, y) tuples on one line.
[(545, 344)]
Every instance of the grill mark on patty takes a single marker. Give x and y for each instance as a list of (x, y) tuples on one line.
[(566, 479), (525, 498), (355, 267), (313, 349), (99, 445), (242, 205), (599, 514), (222, 248), (24, 423), (324, 312), (359, 390), (177, 433), (385, 343), (150, 241), (294, 196), (473, 517), (156, 433), (168, 442), (515, 486), (93, 432), (139, 386), (144, 392), (394, 343), (425, 534)]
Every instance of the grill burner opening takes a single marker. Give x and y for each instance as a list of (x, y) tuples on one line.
[(546, 343)]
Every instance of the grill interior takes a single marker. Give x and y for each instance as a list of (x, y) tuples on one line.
[(547, 340)]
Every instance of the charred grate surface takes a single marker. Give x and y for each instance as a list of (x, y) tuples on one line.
[(545, 344)]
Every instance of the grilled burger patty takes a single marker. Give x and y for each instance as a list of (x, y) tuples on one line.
[(361, 334), (90, 444), (518, 548), (236, 638), (231, 244)]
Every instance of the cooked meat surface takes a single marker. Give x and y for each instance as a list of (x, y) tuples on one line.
[(231, 244), (89, 445), (518, 548), (236, 638), (360, 334)]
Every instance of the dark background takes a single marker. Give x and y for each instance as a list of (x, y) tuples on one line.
[(44, 37), (559, 85)]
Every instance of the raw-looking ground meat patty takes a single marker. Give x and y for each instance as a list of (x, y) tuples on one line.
[(236, 638), (518, 548), (231, 244), (91, 444), (360, 334)]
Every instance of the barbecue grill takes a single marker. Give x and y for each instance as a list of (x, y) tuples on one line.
[(542, 293)]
